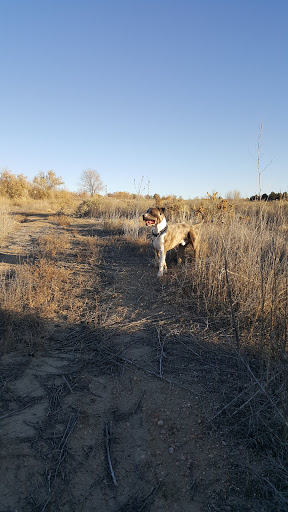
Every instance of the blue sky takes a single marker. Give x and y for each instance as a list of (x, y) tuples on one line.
[(171, 91)]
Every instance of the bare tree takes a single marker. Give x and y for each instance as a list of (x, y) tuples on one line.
[(259, 156), (233, 194), (91, 182), (258, 159)]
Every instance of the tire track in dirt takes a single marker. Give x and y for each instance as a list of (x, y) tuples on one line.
[(111, 418)]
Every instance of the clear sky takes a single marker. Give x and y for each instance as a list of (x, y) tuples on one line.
[(173, 91)]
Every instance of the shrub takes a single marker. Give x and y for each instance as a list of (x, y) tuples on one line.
[(45, 184), (89, 208), (12, 185)]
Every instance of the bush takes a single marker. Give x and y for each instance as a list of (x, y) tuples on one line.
[(12, 185), (45, 184), (88, 208)]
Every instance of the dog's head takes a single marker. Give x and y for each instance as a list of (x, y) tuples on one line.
[(153, 216)]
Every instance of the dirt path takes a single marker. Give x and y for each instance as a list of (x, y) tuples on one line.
[(114, 417)]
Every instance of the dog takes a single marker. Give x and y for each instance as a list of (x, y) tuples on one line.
[(166, 237)]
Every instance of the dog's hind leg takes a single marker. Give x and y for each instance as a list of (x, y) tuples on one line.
[(194, 240), (180, 253)]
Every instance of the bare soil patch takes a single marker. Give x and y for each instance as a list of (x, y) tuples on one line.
[(111, 411)]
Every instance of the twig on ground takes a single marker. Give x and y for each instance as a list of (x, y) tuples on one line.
[(187, 347), (237, 398), (262, 388), (253, 396), (108, 432), (170, 381), (280, 495), (63, 376), (145, 500), (18, 411), (86, 495), (135, 501), (68, 431), (162, 354)]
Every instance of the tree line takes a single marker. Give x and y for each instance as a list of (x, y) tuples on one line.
[(273, 196), (44, 184)]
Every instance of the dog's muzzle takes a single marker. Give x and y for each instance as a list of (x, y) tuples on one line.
[(149, 221)]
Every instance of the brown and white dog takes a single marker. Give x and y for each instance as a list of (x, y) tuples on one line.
[(165, 238)]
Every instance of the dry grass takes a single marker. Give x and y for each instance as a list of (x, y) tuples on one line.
[(243, 258), (52, 246), (7, 223), (60, 200), (38, 287), (60, 219), (47, 289)]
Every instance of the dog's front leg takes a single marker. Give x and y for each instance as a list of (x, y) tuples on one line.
[(162, 263)]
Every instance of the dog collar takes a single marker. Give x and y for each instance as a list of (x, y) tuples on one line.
[(161, 232)]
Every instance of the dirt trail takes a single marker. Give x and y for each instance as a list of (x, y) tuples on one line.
[(111, 418)]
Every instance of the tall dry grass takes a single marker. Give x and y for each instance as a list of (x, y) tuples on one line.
[(241, 276), (7, 223), (239, 288), (124, 215), (37, 288), (58, 200), (244, 260)]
